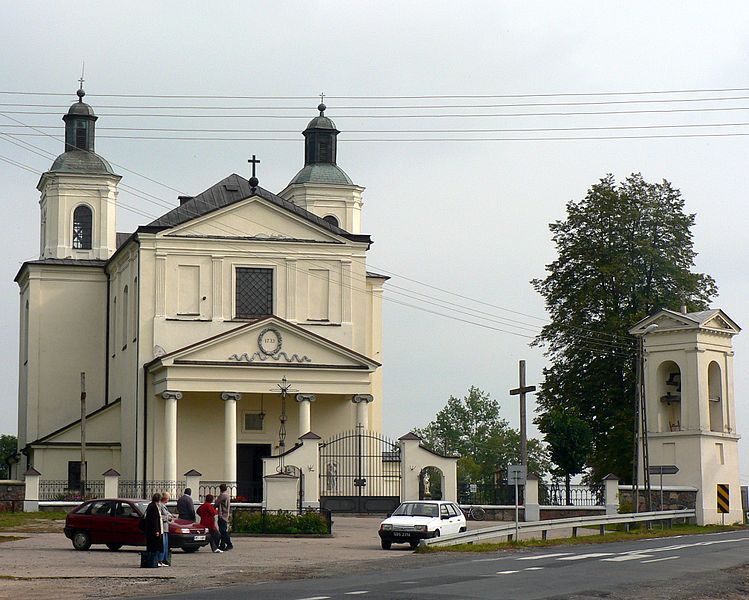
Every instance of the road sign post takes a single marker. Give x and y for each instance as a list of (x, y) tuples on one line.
[(724, 500), (516, 474), (662, 470)]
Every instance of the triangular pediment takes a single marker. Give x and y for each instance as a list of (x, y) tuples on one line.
[(256, 218), (669, 320), (269, 342)]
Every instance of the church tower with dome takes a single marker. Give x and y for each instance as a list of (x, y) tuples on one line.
[(78, 194), (322, 187)]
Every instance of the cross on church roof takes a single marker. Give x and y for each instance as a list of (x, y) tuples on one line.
[(253, 180)]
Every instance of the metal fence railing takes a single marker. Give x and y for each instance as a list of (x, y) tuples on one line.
[(64, 490), (212, 487), (146, 489), (555, 494), (507, 530), (489, 494)]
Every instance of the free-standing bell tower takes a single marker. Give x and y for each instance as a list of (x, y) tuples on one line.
[(691, 416)]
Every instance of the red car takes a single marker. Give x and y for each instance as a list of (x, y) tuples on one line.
[(115, 522)]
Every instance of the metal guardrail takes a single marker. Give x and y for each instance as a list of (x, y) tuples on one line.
[(508, 528)]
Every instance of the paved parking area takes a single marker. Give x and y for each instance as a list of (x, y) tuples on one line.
[(45, 565)]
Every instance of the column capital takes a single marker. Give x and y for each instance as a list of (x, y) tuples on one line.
[(305, 397), (365, 398), (236, 396), (171, 395)]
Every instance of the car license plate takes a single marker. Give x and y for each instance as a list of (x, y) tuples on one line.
[(401, 534), (199, 538)]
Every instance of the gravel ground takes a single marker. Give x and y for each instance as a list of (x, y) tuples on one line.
[(44, 565)]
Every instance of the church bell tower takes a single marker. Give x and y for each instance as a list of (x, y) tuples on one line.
[(691, 414), (322, 187), (78, 194)]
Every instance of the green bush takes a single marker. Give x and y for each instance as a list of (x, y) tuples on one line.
[(281, 522)]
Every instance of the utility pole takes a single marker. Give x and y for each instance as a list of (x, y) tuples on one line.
[(84, 475), (522, 391)]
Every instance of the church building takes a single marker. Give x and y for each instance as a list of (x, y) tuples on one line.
[(188, 327)]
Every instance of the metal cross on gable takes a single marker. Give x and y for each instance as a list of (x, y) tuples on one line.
[(254, 161)]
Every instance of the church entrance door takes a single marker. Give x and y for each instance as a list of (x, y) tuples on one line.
[(250, 470), (360, 473)]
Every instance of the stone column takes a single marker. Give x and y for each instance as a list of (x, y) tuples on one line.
[(532, 510), (611, 494), (362, 409), (230, 434), (170, 434), (31, 495), (111, 483), (305, 405)]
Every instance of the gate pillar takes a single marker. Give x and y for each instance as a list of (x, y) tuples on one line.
[(414, 458)]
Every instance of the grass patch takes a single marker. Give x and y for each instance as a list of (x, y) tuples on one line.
[(610, 536), (31, 521)]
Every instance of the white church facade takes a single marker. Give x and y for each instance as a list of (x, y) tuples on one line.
[(186, 327)]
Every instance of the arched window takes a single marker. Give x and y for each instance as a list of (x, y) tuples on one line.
[(669, 397), (82, 227), (125, 316), (331, 219), (715, 396)]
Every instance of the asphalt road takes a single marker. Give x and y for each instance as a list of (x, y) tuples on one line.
[(556, 572)]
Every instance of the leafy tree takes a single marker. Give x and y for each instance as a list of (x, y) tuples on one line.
[(472, 427), (8, 446), (568, 438), (624, 251)]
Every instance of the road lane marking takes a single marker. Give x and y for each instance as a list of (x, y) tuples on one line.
[(661, 559), (506, 572), (316, 598), (534, 569), (625, 557), (409, 582), (584, 556), (357, 593), (542, 556)]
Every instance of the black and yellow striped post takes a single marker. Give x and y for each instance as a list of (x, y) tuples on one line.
[(723, 500)]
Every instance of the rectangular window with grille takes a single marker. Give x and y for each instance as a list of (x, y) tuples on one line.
[(253, 421), (253, 293)]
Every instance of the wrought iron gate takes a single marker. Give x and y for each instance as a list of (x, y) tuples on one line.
[(360, 473)]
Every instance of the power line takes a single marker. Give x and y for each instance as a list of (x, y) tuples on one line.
[(390, 97), (395, 107)]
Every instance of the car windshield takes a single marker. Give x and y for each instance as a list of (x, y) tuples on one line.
[(142, 506), (416, 509)]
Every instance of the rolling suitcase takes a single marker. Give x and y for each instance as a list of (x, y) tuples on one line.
[(149, 560)]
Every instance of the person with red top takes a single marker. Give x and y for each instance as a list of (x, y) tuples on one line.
[(208, 515)]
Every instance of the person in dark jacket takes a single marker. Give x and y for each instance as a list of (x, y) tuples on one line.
[(153, 528), (185, 506)]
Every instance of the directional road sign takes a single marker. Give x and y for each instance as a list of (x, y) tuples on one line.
[(516, 474), (663, 469)]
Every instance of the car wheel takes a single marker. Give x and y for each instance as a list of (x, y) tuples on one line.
[(385, 544), (413, 545), (81, 540), (437, 533), (114, 547), (191, 549), (463, 529)]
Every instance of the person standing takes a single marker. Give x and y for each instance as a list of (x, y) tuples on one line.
[(166, 516), (223, 506), (154, 529), (208, 515), (185, 506)]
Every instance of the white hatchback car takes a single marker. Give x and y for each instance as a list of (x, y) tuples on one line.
[(420, 519)]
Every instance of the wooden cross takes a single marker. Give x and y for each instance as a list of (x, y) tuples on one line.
[(322, 98), (254, 161), (522, 391)]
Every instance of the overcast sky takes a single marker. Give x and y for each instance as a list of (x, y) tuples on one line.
[(466, 216)]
